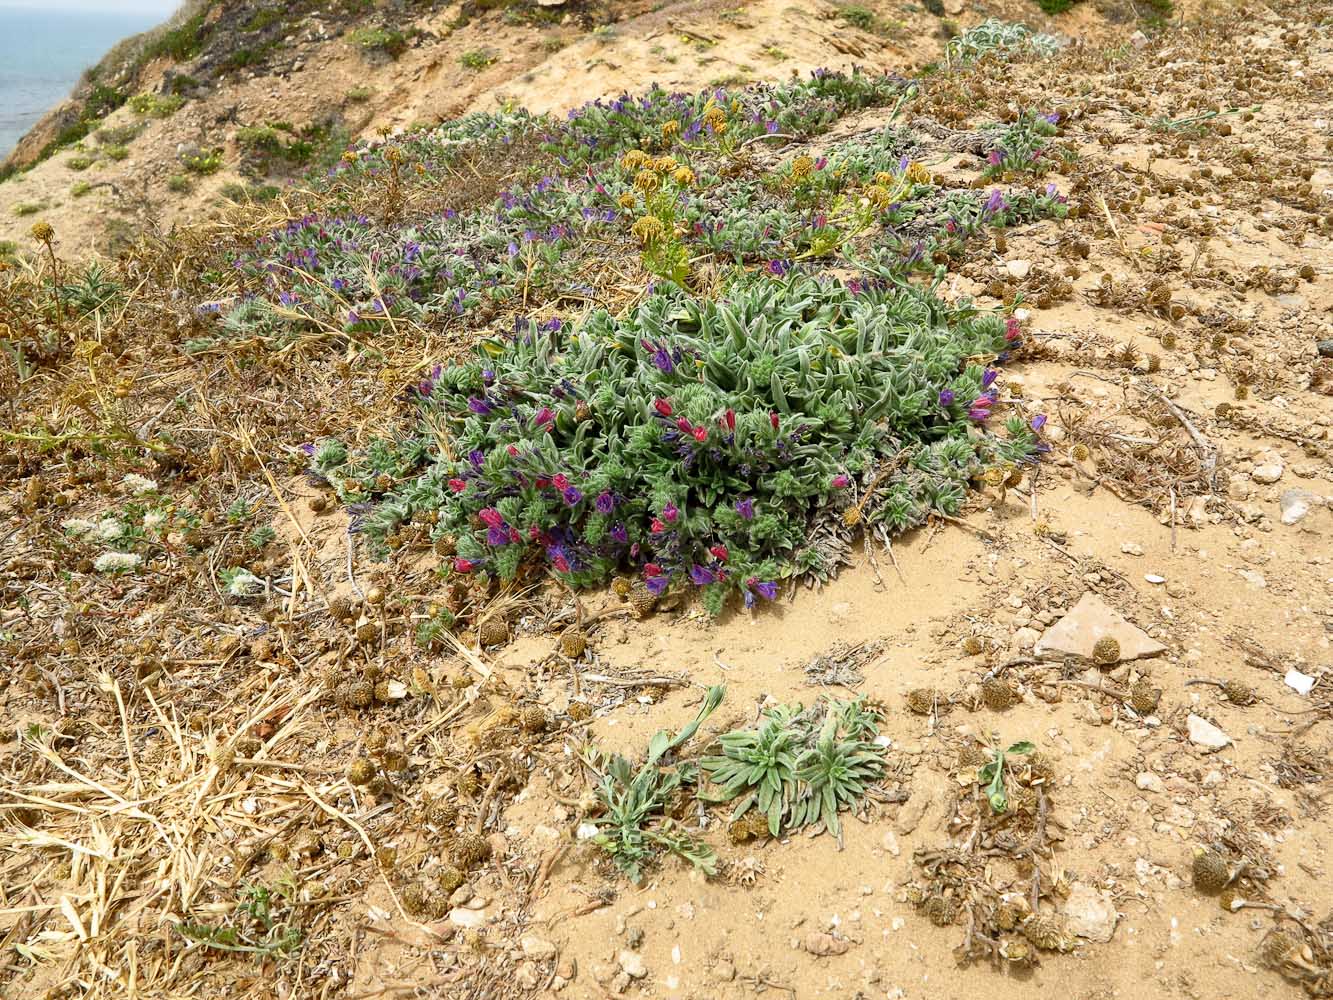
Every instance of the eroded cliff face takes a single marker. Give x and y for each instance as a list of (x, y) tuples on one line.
[(234, 99)]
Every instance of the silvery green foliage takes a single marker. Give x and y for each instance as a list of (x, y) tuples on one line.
[(1004, 38)]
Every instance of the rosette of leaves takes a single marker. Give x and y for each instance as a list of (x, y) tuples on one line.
[(799, 768), (701, 437), (632, 828)]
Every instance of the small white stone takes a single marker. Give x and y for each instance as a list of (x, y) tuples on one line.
[(1148, 781), (1019, 268), (1131, 548), (1204, 734), (1299, 682), (1154, 578), (535, 947), (631, 963)]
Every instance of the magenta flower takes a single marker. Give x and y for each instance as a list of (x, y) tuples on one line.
[(841, 482), (619, 534), (605, 503), (988, 377), (458, 485), (478, 406), (544, 416), (464, 565), (745, 508), (663, 407), (560, 481), (491, 517), (670, 513), (561, 564)]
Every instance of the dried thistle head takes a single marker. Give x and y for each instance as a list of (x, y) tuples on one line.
[(494, 631), (469, 849), (941, 911), (921, 701), (414, 898), (573, 643), (1210, 871), (580, 711), (533, 719), (997, 695), (1106, 651), (449, 879), (361, 771), (643, 601), (1238, 693), (1278, 948), (442, 812), (1047, 932), (1143, 697), (802, 167), (42, 232), (1080, 453), (973, 645), (358, 694)]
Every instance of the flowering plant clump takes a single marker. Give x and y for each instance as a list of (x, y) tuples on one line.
[(1021, 147), (698, 442)]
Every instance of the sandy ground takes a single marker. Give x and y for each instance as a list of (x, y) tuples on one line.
[(1180, 518)]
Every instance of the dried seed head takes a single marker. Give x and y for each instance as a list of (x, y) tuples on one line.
[(1211, 872), (921, 701), (493, 632), (1080, 453), (1106, 651), (643, 601), (449, 879), (367, 632), (1047, 932), (1006, 916), (414, 899), (973, 645), (222, 758), (360, 694), (621, 586), (973, 755), (375, 596), (1278, 948), (1143, 697), (1041, 768), (997, 695), (1017, 951), (580, 711), (442, 812), (340, 608), (1238, 693), (533, 719), (361, 772), (941, 911), (469, 849), (467, 783), (573, 643)]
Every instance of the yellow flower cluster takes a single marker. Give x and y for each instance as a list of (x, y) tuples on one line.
[(716, 119), (626, 200), (646, 180), (879, 195), (648, 229), (802, 167), (670, 129), (917, 173), (665, 164), (683, 176), (635, 159)]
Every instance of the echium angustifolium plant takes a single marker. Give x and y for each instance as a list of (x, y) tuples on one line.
[(1022, 146), (697, 441)]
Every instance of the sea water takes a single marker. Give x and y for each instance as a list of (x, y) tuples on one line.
[(43, 52)]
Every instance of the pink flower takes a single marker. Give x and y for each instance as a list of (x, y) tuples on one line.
[(729, 420), (560, 481), (1011, 331), (491, 517), (670, 513), (685, 425), (658, 527), (464, 565), (773, 419), (663, 407), (561, 564), (841, 482), (458, 485), (719, 552), (652, 569), (700, 434)]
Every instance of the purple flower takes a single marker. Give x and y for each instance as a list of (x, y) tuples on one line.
[(988, 377), (979, 414), (658, 585), (476, 458), (487, 376), (701, 575), (995, 203), (605, 503), (663, 360), (309, 449), (1039, 421), (478, 406), (497, 536), (544, 416), (764, 588), (777, 267), (745, 508), (619, 534), (1053, 118), (670, 513), (573, 496), (994, 158), (841, 482), (946, 397)]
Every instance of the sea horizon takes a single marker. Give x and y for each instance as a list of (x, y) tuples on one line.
[(43, 55)]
